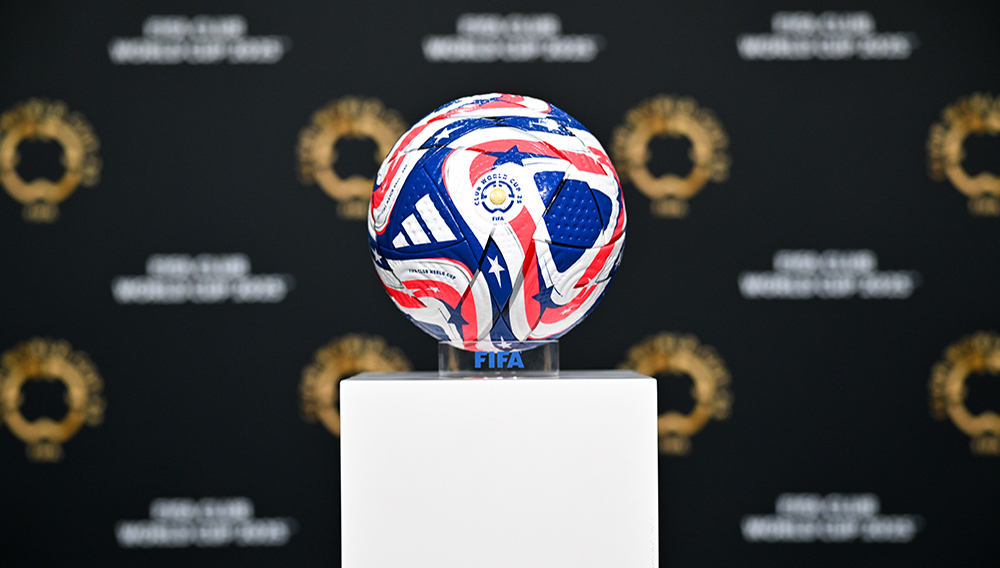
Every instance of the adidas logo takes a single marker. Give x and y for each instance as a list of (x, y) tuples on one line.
[(414, 229)]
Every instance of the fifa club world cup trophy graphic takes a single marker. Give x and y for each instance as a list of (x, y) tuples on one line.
[(495, 222)]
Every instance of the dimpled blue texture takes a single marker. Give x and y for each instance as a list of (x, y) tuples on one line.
[(548, 183), (573, 218), (604, 206), (565, 257)]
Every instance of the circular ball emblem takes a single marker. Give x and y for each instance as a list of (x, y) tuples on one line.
[(495, 220), (498, 193)]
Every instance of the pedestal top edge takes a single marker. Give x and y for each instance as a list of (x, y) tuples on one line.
[(434, 376)]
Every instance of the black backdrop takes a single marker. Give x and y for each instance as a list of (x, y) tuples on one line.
[(204, 400)]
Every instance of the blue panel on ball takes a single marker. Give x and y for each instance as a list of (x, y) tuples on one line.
[(535, 124), (563, 118), (420, 219), (458, 252), (548, 184), (573, 219), (498, 277), (603, 206), (565, 257), (432, 163)]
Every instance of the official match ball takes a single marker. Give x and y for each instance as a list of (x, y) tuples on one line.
[(495, 220)]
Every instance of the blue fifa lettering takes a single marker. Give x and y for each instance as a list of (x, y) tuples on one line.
[(515, 360)]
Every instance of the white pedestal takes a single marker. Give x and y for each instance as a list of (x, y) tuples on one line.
[(466, 473)]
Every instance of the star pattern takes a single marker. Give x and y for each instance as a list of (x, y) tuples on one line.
[(444, 134), (550, 125), (455, 317), (544, 298), (495, 269), (512, 156)]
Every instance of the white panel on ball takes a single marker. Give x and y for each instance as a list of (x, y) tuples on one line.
[(443, 473)]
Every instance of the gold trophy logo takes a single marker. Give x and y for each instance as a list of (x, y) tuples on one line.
[(978, 353), (40, 120), (674, 117), (977, 114), (675, 354), (338, 360), (46, 360), (349, 117)]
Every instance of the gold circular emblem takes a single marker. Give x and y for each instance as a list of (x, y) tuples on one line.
[(498, 196), (38, 119), (339, 359), (978, 353), (977, 114), (45, 360), (670, 353), (674, 117), (343, 118)]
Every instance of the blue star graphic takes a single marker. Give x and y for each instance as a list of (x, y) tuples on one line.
[(512, 156), (544, 298), (455, 317)]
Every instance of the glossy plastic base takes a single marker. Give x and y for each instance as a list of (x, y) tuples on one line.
[(529, 359)]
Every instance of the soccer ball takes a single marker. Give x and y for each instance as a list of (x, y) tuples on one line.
[(495, 220)]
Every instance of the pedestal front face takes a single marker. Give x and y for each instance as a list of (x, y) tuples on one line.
[(505, 473)]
